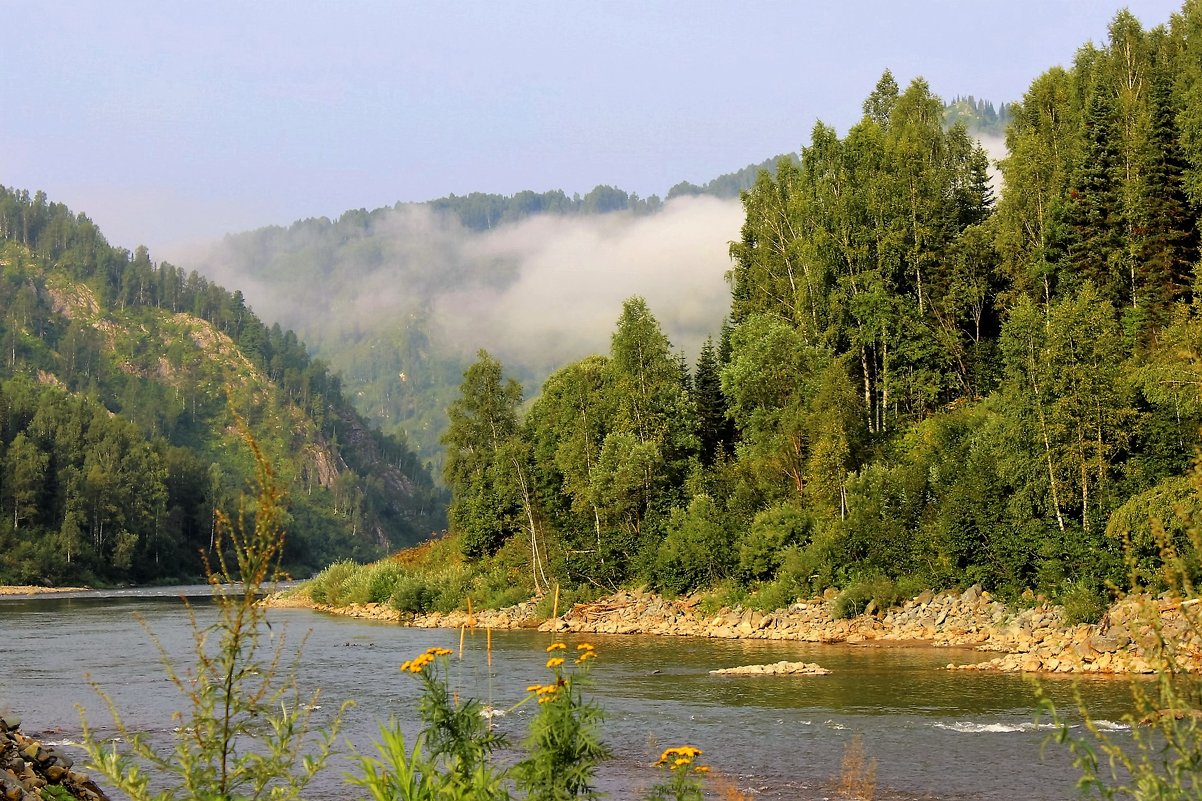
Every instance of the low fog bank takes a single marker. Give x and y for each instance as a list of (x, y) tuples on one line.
[(572, 274), (536, 293)]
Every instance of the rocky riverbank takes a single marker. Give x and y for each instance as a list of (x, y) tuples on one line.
[(31, 771), (18, 589), (1034, 639)]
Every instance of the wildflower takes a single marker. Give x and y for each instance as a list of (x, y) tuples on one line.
[(533, 688), (555, 661), (585, 646), (440, 651), (557, 646), (702, 769), (687, 753), (587, 655)]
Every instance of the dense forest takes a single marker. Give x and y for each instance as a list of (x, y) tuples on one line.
[(119, 387), (369, 291), (921, 378)]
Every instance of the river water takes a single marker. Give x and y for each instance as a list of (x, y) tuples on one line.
[(934, 734)]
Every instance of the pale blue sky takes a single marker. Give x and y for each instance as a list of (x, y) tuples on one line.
[(171, 123)]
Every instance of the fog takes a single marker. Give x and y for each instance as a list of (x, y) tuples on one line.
[(536, 293)]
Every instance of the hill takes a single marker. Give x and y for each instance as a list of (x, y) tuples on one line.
[(118, 397)]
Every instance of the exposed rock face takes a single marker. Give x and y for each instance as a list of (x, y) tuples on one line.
[(27, 767), (1032, 640)]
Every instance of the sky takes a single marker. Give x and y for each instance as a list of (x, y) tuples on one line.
[(171, 124)]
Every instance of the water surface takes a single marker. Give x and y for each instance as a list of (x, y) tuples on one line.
[(933, 733)]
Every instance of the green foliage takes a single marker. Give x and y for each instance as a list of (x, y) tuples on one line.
[(880, 591), (1083, 603), (697, 548), (130, 372), (1161, 758), (246, 730), (452, 757), (762, 549), (563, 747)]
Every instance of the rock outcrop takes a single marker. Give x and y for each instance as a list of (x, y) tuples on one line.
[(28, 768)]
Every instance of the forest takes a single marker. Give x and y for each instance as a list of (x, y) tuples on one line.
[(925, 379), (120, 389)]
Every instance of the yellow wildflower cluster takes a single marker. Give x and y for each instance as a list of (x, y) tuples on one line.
[(557, 646), (545, 692), (680, 756), (417, 665), (587, 652), (555, 661)]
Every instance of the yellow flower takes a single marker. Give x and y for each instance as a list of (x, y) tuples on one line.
[(587, 655), (585, 646), (702, 769), (533, 688), (684, 753), (555, 661), (440, 652), (557, 646)]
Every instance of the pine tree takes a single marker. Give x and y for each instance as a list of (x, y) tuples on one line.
[(1093, 214)]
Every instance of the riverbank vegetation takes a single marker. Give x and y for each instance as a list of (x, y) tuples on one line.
[(926, 378)]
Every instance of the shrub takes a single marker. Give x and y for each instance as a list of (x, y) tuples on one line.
[(761, 549), (881, 591), (1083, 602), (327, 586), (696, 550)]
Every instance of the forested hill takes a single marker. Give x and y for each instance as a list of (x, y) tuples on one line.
[(117, 441), (919, 384)]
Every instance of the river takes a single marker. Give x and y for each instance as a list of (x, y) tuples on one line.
[(934, 734)]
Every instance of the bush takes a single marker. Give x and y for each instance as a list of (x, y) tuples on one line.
[(1083, 602), (761, 549), (883, 592), (696, 550), (327, 587)]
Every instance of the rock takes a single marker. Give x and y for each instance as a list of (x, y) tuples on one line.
[(924, 598), (971, 594), (775, 669)]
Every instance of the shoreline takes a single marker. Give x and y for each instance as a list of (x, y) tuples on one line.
[(1012, 640), (18, 589)]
